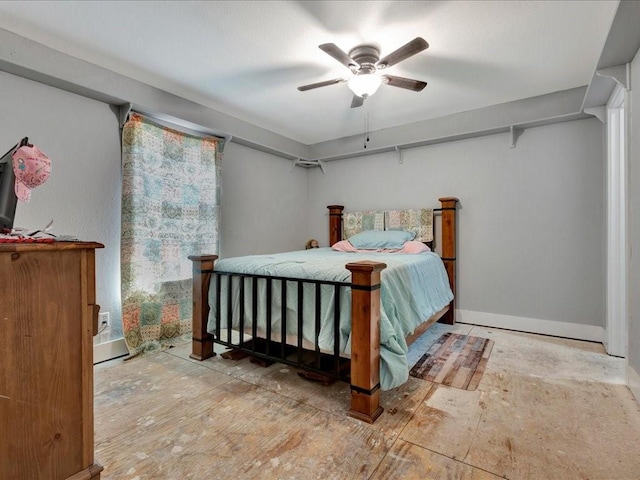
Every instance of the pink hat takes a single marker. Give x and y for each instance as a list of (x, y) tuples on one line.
[(31, 168)]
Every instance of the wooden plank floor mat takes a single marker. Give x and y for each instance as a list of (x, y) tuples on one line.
[(455, 360)]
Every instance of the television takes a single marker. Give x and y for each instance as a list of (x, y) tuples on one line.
[(8, 199)]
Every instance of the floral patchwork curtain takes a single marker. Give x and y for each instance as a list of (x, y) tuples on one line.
[(170, 209)]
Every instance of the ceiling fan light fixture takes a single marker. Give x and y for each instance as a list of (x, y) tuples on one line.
[(364, 62), (364, 84)]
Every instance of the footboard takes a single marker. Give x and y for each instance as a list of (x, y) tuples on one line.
[(364, 370)]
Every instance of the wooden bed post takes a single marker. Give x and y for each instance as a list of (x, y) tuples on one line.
[(365, 340), (201, 340), (449, 251), (335, 223)]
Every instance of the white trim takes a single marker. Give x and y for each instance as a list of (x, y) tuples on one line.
[(590, 333), (615, 340), (633, 380), (108, 350)]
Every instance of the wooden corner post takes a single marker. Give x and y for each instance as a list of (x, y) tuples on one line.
[(365, 340), (201, 340), (449, 251), (335, 223)]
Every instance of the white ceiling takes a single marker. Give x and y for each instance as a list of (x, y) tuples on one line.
[(246, 59)]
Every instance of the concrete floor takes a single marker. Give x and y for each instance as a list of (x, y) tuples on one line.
[(546, 408)]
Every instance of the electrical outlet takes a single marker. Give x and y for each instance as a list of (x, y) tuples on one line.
[(104, 319)]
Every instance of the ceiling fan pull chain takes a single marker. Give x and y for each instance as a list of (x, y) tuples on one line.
[(367, 125), (366, 129)]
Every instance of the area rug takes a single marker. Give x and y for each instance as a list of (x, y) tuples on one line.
[(455, 360)]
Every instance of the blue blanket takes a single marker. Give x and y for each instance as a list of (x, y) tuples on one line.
[(414, 287)]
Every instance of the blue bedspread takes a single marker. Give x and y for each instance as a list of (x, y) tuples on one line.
[(414, 287)]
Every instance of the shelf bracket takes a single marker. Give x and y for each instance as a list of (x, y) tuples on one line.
[(400, 159), (308, 164), (599, 112), (123, 113), (619, 73), (515, 133)]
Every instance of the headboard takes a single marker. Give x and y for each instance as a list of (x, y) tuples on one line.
[(419, 221), (447, 240)]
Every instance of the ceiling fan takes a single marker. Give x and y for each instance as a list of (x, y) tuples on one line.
[(364, 62)]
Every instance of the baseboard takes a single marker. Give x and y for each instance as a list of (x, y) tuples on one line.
[(633, 380), (108, 350), (532, 325)]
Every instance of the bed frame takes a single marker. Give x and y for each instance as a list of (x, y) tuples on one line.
[(365, 310)]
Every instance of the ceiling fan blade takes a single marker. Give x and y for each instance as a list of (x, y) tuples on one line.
[(333, 50), (357, 101), (408, 83), (326, 83), (416, 45)]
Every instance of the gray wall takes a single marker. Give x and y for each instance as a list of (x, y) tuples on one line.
[(634, 220), (531, 219), (263, 202), (82, 195)]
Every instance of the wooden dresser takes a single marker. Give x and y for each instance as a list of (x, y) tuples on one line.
[(48, 318)]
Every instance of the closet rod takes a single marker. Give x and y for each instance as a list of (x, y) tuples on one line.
[(171, 122)]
